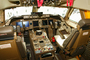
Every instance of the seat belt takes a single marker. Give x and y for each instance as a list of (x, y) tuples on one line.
[(67, 2), (39, 2), (70, 3)]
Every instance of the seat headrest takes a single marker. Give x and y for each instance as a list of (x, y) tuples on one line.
[(6, 33), (84, 23)]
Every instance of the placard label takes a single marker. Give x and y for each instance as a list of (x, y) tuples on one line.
[(4, 46), (85, 33)]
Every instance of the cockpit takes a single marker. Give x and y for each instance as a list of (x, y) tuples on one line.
[(44, 30)]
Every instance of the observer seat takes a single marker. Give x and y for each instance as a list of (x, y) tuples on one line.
[(11, 46), (76, 42)]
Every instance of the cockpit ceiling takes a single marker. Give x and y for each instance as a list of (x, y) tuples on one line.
[(15, 3), (4, 4)]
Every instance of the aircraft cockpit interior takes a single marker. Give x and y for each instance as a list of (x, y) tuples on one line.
[(44, 30)]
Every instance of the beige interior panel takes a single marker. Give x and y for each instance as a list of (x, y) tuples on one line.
[(6, 4), (82, 4)]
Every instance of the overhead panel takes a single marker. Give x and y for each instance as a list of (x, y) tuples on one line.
[(8, 3)]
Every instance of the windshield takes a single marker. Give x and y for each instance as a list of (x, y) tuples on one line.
[(75, 16), (53, 10), (19, 11)]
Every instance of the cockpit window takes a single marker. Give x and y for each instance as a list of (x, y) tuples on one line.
[(18, 11), (75, 16), (8, 14), (53, 10)]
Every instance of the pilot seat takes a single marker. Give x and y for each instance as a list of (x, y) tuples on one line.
[(75, 43), (11, 46)]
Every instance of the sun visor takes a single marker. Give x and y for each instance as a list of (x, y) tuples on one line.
[(84, 23), (6, 33)]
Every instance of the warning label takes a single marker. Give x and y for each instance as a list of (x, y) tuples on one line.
[(85, 33), (4, 46)]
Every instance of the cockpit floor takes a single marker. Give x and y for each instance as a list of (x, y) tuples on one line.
[(58, 56)]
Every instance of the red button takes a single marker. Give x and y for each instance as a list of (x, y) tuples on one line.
[(38, 48), (40, 51), (49, 48), (43, 36), (53, 39)]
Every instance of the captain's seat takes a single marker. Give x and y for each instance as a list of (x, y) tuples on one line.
[(11, 46), (76, 42)]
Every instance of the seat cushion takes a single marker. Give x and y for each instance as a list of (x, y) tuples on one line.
[(69, 38)]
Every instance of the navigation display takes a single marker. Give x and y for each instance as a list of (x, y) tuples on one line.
[(35, 23), (19, 23), (26, 23), (44, 22)]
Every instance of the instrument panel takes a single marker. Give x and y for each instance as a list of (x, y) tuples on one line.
[(29, 24), (35, 22), (41, 43)]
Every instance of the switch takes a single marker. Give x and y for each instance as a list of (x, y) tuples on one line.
[(38, 48)]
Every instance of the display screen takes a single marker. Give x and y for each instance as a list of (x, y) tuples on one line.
[(19, 23), (44, 22), (41, 41), (35, 23), (26, 23), (50, 21), (75, 16)]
